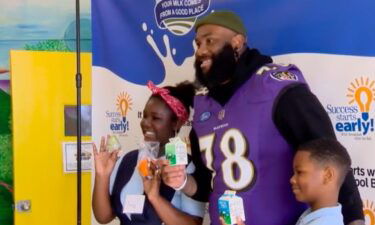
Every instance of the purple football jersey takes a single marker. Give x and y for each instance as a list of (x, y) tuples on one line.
[(240, 143)]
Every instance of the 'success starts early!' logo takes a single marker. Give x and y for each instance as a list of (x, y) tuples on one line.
[(356, 119), (118, 121)]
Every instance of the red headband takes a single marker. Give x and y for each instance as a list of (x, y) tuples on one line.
[(175, 104)]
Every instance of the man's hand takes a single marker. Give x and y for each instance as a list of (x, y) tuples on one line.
[(357, 222), (173, 176), (239, 221)]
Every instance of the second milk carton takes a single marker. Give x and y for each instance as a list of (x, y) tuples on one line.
[(231, 207)]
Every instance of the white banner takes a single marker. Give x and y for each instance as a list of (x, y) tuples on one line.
[(332, 42)]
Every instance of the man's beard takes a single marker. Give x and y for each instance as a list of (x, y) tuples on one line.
[(222, 68)]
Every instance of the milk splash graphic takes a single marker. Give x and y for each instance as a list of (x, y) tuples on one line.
[(174, 72)]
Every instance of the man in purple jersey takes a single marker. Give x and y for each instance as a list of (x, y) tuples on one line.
[(247, 126)]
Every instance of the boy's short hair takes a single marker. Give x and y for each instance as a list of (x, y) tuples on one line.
[(329, 151)]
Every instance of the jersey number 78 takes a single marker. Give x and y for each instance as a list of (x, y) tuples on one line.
[(233, 145)]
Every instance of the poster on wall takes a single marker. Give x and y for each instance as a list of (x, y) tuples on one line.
[(134, 43), (69, 151), (35, 25)]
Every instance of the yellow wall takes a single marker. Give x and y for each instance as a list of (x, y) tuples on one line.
[(41, 84)]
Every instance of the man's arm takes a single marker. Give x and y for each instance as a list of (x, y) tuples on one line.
[(165, 210), (202, 175), (170, 215), (196, 185), (300, 117)]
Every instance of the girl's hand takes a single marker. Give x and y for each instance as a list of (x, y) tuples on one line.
[(151, 185), (104, 160)]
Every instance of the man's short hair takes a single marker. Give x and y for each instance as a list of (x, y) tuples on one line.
[(224, 18), (329, 151)]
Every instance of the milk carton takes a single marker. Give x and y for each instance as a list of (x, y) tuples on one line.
[(176, 152), (231, 207)]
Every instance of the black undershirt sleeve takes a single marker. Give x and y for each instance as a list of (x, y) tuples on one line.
[(202, 174), (300, 117)]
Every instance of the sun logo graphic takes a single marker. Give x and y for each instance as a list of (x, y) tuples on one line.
[(369, 212), (179, 16), (362, 91), (124, 103)]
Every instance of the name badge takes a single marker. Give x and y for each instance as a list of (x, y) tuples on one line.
[(134, 204)]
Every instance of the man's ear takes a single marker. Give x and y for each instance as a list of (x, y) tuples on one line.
[(329, 174), (237, 42)]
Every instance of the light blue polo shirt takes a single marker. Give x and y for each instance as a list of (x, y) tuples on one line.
[(323, 216)]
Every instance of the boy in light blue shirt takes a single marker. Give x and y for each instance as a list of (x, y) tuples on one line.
[(320, 167)]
